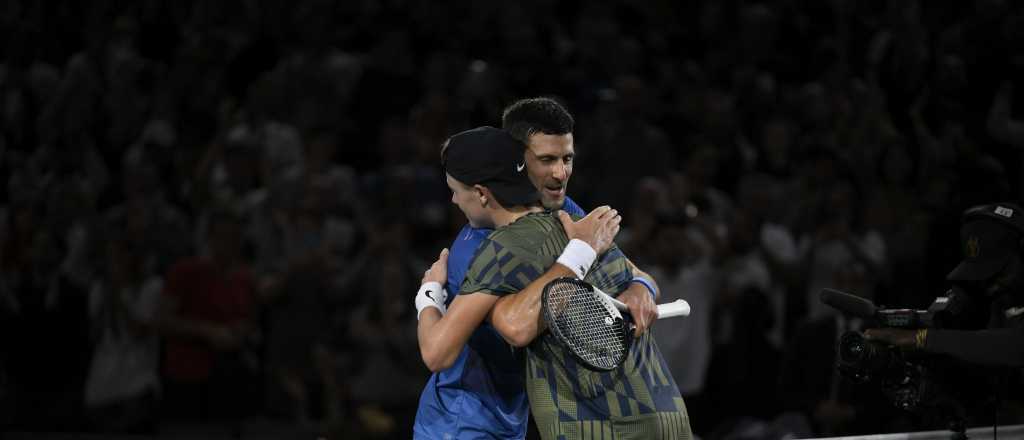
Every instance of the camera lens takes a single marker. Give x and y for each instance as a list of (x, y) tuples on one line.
[(867, 356), (852, 348)]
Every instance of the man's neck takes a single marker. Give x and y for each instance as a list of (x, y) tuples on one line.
[(506, 216)]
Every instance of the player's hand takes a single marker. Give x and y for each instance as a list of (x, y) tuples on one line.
[(438, 271), (641, 307), (432, 293), (892, 336), (597, 229)]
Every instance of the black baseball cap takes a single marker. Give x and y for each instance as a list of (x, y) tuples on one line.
[(989, 239), (490, 157)]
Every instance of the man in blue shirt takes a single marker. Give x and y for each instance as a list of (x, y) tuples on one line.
[(481, 394)]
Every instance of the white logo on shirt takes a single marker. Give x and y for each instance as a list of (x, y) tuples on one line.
[(519, 168)]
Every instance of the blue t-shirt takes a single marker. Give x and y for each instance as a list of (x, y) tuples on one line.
[(483, 394)]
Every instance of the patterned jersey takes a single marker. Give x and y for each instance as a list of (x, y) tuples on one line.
[(482, 395), (638, 400)]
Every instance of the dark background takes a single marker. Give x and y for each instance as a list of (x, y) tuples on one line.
[(773, 147)]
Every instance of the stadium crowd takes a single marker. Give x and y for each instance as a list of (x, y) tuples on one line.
[(218, 212)]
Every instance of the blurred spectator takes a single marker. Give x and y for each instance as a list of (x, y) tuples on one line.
[(43, 327), (159, 228), (694, 190), (776, 147), (234, 169), (840, 241), (300, 287), (896, 212), (75, 217), (207, 318), (761, 257), (385, 90), (387, 373), (128, 85), (742, 375), (687, 268), (650, 196), (623, 144), (1002, 126), (123, 385)]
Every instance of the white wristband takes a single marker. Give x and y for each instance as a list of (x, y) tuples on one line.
[(578, 256), (431, 294)]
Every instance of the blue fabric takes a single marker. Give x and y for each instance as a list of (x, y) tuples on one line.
[(482, 395)]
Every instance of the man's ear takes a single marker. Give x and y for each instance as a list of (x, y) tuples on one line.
[(482, 194)]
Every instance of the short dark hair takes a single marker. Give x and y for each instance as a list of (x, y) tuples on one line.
[(529, 116)]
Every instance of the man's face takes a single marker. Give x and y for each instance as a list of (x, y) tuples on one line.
[(467, 198), (549, 160)]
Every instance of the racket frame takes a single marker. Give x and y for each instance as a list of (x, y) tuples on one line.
[(611, 306)]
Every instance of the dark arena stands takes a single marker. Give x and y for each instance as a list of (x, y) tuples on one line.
[(217, 213)]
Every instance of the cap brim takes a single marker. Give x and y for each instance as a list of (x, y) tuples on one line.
[(977, 269)]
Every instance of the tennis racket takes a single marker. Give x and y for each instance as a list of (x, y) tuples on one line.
[(588, 322)]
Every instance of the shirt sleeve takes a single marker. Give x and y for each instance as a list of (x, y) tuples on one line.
[(996, 347), (572, 208), (499, 270), (460, 254)]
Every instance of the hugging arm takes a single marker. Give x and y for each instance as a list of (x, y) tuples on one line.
[(517, 316), (441, 337), (442, 333)]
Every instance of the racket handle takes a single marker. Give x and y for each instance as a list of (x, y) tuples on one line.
[(675, 308), (678, 307)]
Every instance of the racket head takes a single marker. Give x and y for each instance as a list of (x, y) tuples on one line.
[(586, 323)]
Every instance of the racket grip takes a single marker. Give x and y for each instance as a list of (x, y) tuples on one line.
[(678, 307)]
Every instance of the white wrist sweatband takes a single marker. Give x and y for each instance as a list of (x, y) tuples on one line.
[(431, 294), (578, 256)]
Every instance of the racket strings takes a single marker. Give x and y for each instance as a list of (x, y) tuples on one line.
[(588, 326)]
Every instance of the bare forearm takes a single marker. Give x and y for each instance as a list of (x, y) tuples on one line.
[(435, 348), (441, 337), (639, 273), (517, 317)]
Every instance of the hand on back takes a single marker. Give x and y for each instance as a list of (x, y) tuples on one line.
[(598, 229)]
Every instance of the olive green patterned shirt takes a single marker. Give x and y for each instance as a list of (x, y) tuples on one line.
[(639, 400)]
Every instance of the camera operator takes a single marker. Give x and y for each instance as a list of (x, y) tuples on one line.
[(991, 274), (993, 240)]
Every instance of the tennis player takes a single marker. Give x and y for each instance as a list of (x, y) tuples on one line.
[(481, 394), (639, 399)]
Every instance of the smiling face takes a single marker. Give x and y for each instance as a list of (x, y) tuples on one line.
[(549, 160)]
